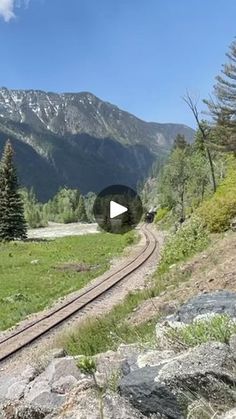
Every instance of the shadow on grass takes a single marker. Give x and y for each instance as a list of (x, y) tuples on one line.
[(37, 239)]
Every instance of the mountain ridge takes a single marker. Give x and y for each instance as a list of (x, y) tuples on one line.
[(87, 131)]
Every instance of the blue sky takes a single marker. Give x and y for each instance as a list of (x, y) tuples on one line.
[(141, 55)]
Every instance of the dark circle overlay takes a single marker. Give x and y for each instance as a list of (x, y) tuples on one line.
[(122, 195)]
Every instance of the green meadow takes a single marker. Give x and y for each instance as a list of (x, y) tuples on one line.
[(35, 274)]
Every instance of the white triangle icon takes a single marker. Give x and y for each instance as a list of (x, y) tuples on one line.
[(116, 209)]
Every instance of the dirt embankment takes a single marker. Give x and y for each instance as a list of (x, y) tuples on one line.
[(212, 270)]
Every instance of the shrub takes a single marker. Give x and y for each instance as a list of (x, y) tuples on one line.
[(87, 365), (130, 238), (161, 213), (217, 212), (97, 335), (34, 217), (218, 328), (191, 238)]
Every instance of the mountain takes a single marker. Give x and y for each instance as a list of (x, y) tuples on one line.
[(79, 141)]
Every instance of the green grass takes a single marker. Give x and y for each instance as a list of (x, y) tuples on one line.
[(107, 332), (190, 239), (28, 287), (99, 335), (218, 211), (218, 328)]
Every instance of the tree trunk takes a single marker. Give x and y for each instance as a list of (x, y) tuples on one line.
[(194, 110)]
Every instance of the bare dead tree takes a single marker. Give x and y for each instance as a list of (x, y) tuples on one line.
[(204, 131)]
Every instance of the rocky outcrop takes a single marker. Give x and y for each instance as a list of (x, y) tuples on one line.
[(50, 388), (231, 414), (18, 410), (207, 371), (220, 302), (92, 404), (136, 381), (141, 389)]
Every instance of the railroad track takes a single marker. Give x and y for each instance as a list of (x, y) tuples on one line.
[(32, 331)]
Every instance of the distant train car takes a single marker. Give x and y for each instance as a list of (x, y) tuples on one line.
[(150, 215)]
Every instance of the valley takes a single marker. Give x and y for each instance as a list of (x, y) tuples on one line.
[(117, 209)]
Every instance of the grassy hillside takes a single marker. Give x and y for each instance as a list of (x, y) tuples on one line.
[(218, 210)]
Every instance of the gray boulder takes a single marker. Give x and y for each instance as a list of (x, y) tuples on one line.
[(231, 414), (130, 353), (49, 389), (108, 366), (60, 367), (92, 404), (207, 371), (148, 396), (16, 390), (40, 395), (13, 387), (232, 345), (154, 358), (220, 302), (5, 384), (64, 384), (18, 410)]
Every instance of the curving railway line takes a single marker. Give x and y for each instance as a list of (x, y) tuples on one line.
[(17, 340)]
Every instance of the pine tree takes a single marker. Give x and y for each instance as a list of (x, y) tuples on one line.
[(222, 106), (12, 221), (81, 210), (173, 181), (180, 142)]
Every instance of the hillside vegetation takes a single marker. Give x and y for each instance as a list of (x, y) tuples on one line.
[(218, 211)]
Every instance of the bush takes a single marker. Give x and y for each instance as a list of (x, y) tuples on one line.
[(218, 328), (34, 217), (217, 212), (161, 213), (97, 335), (191, 238), (87, 365), (130, 238)]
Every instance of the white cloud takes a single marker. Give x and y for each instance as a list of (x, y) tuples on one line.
[(7, 8)]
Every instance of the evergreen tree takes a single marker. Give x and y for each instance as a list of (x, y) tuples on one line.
[(89, 200), (81, 210), (12, 221), (173, 181), (222, 106), (180, 142)]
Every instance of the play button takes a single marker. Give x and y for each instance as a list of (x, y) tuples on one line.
[(118, 209)]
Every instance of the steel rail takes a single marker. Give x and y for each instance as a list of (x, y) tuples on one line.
[(21, 338)]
